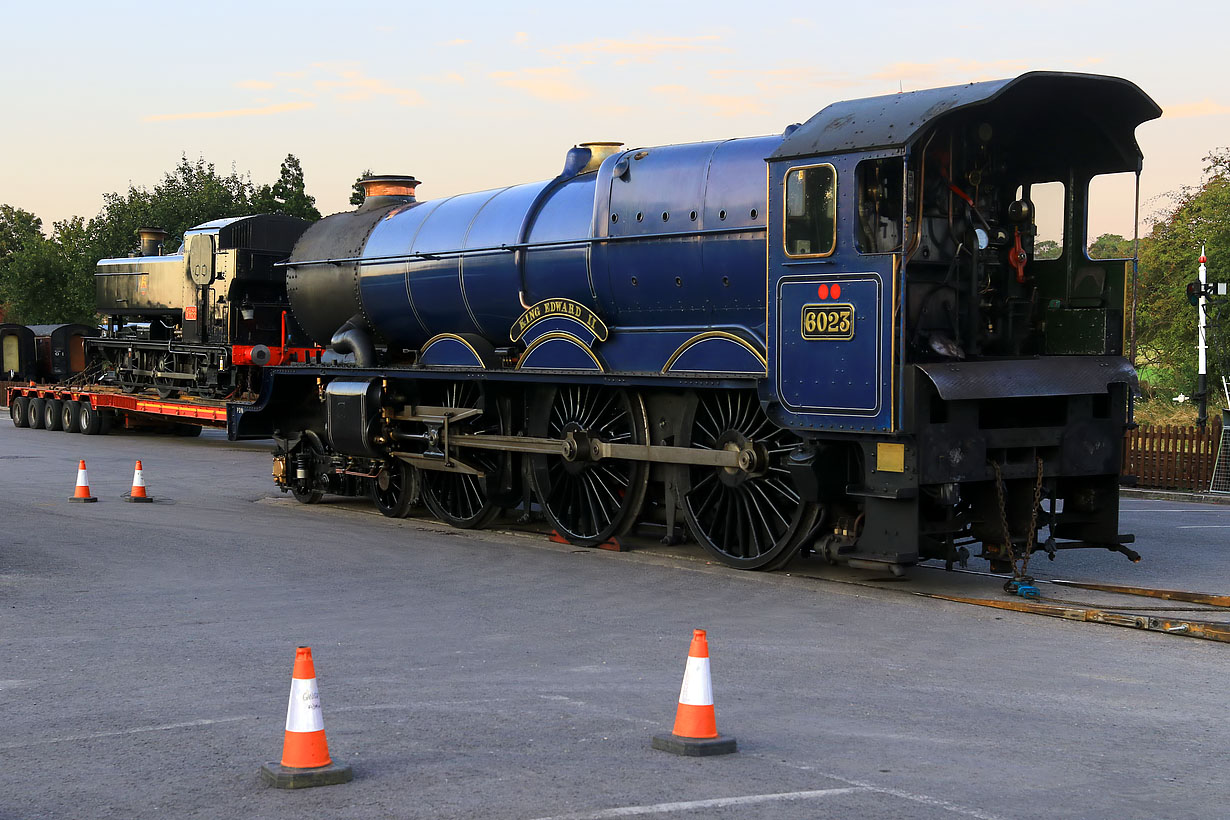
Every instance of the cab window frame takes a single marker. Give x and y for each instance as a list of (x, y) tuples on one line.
[(786, 210)]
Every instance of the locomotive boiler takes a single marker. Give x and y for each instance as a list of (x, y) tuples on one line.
[(837, 338), (216, 310)]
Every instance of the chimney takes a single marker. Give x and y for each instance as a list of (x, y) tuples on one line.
[(598, 151), (385, 189), (151, 240)]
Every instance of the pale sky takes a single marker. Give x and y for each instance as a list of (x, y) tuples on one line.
[(475, 95)]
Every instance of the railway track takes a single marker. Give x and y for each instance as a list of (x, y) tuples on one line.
[(1186, 614)]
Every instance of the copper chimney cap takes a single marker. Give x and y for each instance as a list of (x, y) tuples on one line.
[(388, 185)]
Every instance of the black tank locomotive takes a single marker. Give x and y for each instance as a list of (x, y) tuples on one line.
[(204, 319), (838, 338)]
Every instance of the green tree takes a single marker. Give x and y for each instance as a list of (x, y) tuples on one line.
[(18, 229), (1166, 324), (357, 194), (192, 193), (288, 195), (45, 284), (1111, 246), (1047, 249)]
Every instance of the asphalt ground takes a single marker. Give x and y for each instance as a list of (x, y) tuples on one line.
[(146, 650)]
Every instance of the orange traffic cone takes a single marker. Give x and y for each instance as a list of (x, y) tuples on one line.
[(695, 731), (82, 493), (138, 486), (305, 754)]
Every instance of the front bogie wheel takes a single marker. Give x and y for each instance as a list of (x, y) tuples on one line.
[(395, 489)]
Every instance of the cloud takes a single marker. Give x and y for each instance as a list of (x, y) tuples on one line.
[(255, 85), (355, 86), (521, 37), (1204, 108), (776, 81), (643, 50), (556, 83), (458, 42), (448, 78), (720, 105), (923, 75), (264, 111)]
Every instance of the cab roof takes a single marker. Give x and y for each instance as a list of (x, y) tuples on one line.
[(1051, 108)]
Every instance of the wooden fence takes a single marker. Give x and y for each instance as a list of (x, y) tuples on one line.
[(1172, 457)]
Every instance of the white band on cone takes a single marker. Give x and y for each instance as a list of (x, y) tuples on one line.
[(138, 480), (697, 690), (82, 479), (303, 712)]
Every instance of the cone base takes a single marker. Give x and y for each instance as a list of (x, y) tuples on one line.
[(141, 498), (288, 777), (695, 746), (86, 499)]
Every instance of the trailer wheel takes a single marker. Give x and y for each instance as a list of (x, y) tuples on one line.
[(89, 420), (19, 411), (52, 420), (187, 430), (36, 413), (70, 417)]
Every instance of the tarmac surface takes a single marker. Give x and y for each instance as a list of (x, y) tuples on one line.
[(146, 651)]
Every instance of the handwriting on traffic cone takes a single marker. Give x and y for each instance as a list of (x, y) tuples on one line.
[(82, 493), (138, 486), (695, 731), (305, 753)]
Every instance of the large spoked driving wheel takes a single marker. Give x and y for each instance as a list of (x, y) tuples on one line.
[(463, 499), (749, 520), (395, 489), (587, 501)]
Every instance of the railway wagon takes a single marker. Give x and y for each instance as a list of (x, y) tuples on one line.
[(837, 338), (17, 356), (60, 350)]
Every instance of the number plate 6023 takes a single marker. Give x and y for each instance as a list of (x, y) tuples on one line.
[(833, 322)]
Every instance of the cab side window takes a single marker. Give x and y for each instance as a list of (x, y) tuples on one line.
[(811, 211), (880, 205)]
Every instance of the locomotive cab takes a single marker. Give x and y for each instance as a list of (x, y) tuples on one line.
[(995, 375)]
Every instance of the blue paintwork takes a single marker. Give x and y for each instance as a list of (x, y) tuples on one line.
[(712, 276), (716, 354), (829, 385), (449, 351), (559, 352)]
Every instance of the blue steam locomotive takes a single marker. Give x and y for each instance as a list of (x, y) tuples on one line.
[(836, 339)]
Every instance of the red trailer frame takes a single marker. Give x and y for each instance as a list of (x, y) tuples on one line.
[(130, 410)]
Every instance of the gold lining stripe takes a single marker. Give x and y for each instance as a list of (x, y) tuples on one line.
[(892, 355), (440, 337), (556, 334), (715, 334)]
